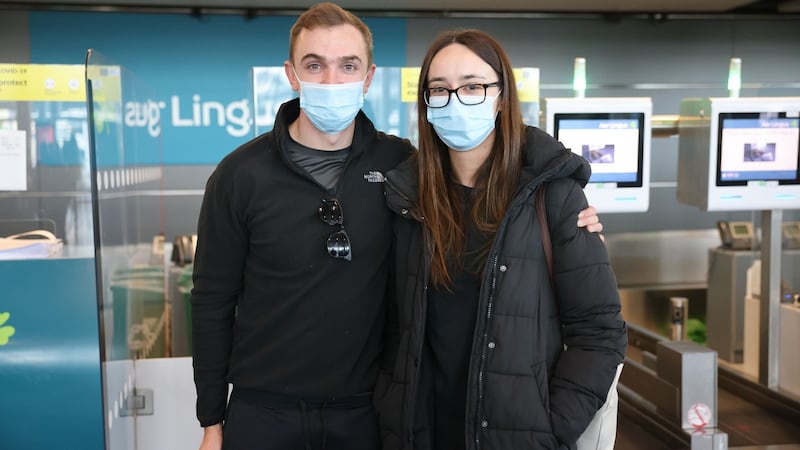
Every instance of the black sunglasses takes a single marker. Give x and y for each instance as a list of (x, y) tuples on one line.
[(338, 243)]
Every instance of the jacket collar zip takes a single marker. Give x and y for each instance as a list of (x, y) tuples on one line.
[(478, 421)]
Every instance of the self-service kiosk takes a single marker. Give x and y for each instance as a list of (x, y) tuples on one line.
[(739, 153), (743, 154), (613, 134)]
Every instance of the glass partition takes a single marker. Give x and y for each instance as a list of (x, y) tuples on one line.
[(128, 208)]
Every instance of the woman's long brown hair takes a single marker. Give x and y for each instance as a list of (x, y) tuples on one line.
[(497, 179)]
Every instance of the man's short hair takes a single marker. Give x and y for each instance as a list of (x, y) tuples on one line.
[(328, 15)]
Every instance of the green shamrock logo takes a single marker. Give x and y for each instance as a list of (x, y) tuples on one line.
[(5, 331)]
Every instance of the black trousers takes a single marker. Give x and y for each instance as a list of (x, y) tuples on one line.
[(259, 424)]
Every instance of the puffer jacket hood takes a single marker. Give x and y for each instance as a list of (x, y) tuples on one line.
[(546, 159)]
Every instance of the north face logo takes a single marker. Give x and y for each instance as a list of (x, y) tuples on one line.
[(374, 177)]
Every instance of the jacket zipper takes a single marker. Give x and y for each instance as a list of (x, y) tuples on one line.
[(489, 306), (482, 363)]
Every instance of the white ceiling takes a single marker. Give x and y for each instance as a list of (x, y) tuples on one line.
[(445, 6)]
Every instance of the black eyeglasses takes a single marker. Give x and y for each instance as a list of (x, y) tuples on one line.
[(338, 243), (468, 94)]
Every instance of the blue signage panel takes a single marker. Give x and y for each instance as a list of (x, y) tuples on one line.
[(198, 71)]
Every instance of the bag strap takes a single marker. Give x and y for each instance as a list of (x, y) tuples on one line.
[(541, 214)]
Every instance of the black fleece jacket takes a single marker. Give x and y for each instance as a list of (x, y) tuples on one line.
[(308, 325), (525, 391)]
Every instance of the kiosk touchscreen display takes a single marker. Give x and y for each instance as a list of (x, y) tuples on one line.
[(758, 147), (612, 142)]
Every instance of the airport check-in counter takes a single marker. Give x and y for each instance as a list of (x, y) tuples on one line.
[(659, 384), (671, 384), (727, 293)]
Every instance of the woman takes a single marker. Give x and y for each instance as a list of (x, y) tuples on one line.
[(487, 354)]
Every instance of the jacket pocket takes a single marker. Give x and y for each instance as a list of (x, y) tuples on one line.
[(518, 402), (540, 374)]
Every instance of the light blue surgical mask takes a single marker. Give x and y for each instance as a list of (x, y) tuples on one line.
[(331, 107), (463, 127)]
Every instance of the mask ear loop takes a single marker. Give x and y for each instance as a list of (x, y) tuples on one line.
[(296, 76), (364, 85)]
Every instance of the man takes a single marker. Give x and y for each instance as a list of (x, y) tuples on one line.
[(291, 263)]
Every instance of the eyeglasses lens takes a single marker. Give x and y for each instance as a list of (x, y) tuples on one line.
[(338, 243), (330, 212)]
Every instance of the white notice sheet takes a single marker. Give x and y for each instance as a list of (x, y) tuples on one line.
[(13, 164)]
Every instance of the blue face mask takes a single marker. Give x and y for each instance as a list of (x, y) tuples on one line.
[(331, 107), (463, 127)]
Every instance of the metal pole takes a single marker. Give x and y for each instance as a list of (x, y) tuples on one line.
[(679, 310), (770, 301)]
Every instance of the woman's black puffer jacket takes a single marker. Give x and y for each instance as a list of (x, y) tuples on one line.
[(542, 358)]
